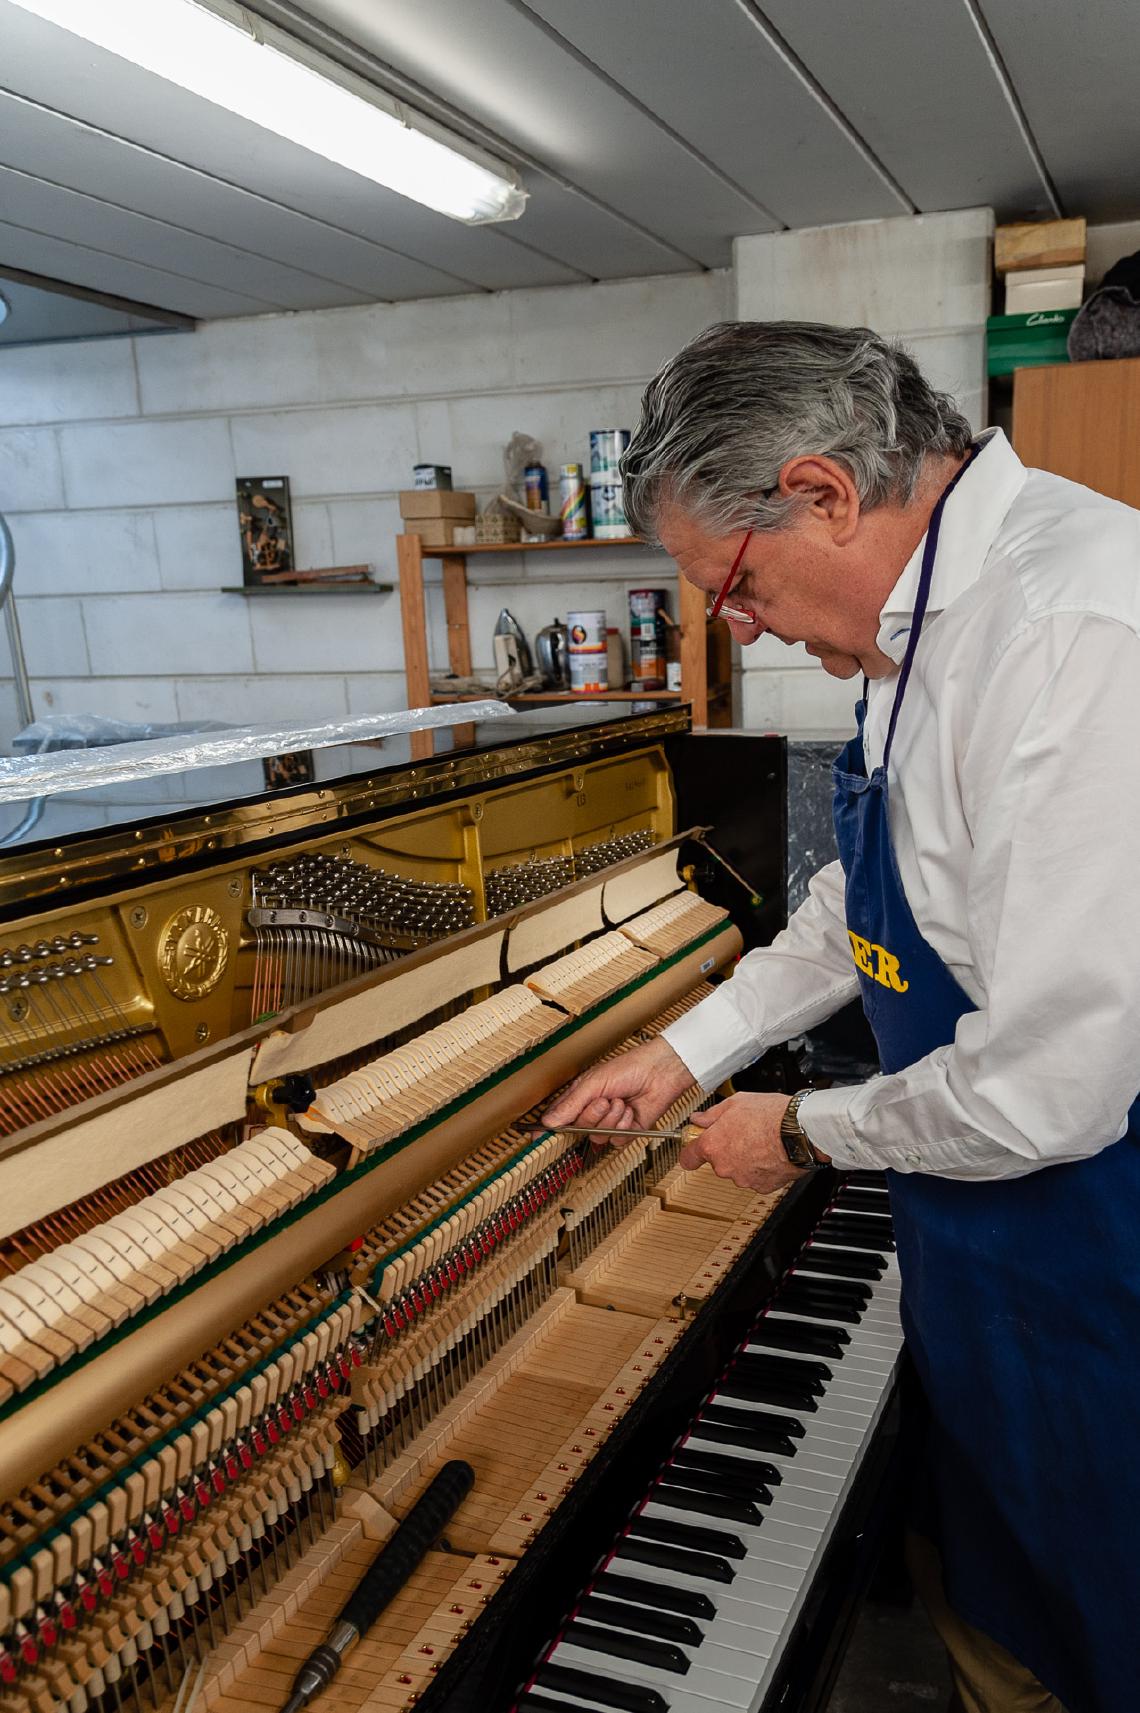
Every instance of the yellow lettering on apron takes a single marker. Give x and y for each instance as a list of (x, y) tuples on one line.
[(861, 952), (876, 962)]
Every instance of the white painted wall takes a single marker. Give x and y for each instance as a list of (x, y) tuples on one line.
[(923, 280), (117, 466), (118, 458)]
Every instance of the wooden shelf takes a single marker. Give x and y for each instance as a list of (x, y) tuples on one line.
[(361, 588), (568, 696), (698, 638), (555, 546)]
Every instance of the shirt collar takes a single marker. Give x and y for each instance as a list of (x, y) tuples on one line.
[(974, 514)]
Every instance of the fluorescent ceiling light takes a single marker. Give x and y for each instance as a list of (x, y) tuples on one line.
[(223, 54)]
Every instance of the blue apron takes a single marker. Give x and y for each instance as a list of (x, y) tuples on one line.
[(1021, 1307)]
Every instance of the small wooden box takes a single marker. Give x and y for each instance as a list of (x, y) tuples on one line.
[(1039, 244), (437, 503)]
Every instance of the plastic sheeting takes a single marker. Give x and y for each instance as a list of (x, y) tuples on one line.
[(95, 731), (71, 770)]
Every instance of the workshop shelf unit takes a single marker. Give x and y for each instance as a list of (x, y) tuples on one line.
[(708, 691)]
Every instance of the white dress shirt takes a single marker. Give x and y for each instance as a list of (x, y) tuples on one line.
[(1015, 814)]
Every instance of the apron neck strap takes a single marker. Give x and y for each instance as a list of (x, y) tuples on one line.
[(922, 596)]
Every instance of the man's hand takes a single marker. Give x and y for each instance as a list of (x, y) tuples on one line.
[(740, 1139), (629, 1093)]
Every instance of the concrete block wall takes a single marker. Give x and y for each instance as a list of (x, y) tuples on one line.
[(117, 467), (118, 459), (923, 280)]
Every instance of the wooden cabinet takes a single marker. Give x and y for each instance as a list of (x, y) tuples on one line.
[(1082, 420), (706, 649)]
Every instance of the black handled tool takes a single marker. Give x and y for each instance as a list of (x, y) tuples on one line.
[(384, 1578)]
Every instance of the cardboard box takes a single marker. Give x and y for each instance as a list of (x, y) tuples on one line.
[(1044, 288), (1039, 244), (432, 531), (436, 503), (1026, 341)]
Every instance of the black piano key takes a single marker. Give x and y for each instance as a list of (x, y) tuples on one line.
[(726, 1426), (610, 1691), (751, 1470), (729, 1486), (718, 1435), (791, 1368), (757, 1389), (812, 1341), (859, 1224), (645, 1593), (863, 1201), (666, 1626), (855, 1265), (700, 1539), (867, 1180), (851, 1291), (705, 1565), (677, 1498), (531, 1702), (854, 1240), (810, 1308), (663, 1656)]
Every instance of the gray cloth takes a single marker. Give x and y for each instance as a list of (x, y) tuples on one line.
[(1109, 323)]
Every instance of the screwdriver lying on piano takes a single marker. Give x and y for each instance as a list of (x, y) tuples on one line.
[(384, 1578)]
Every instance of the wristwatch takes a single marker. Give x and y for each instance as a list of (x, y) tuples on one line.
[(792, 1134)]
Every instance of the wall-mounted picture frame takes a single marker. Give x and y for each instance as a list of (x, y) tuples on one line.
[(265, 517)]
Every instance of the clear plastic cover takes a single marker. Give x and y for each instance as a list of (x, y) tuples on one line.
[(113, 762)]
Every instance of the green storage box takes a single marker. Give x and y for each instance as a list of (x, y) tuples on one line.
[(1025, 341)]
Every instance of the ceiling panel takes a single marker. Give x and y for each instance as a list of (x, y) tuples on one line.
[(747, 110), (928, 101), (41, 206), (49, 66), (1077, 71), (58, 259), (498, 65), (37, 315), (66, 151)]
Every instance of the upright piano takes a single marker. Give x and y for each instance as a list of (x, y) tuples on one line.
[(283, 1234)]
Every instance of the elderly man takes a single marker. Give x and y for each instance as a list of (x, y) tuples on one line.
[(984, 908)]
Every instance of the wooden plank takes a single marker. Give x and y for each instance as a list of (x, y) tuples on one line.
[(458, 634), (694, 665), (1082, 421), (532, 547), (1039, 244), (413, 619)]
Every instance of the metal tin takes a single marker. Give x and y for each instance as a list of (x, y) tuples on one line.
[(606, 448), (588, 651), (575, 518), (537, 491), (647, 639), (437, 476), (607, 510)]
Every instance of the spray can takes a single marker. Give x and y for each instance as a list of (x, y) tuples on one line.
[(575, 521), (534, 484)]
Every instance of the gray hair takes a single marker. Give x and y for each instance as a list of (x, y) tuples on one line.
[(723, 417)]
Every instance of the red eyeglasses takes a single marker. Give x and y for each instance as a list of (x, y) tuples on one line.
[(714, 611)]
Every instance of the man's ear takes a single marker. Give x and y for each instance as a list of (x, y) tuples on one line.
[(827, 493)]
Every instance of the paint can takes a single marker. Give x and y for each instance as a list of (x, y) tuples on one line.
[(647, 639), (606, 448), (572, 489), (607, 510), (587, 651)]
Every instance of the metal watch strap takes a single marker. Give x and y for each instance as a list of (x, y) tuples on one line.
[(792, 1134)]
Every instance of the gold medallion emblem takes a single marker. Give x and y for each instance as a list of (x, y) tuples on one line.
[(192, 951)]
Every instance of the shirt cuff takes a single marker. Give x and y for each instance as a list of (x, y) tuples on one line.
[(712, 1040), (825, 1118)]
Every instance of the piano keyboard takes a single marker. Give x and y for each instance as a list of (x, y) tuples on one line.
[(695, 1605)]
